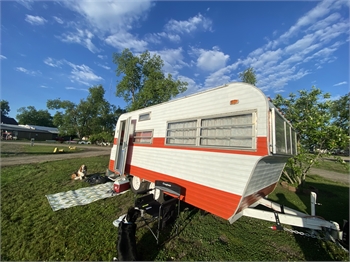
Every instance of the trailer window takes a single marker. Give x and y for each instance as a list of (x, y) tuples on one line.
[(280, 135), (182, 133), (230, 131), (288, 139), (143, 137), (294, 142), (145, 116)]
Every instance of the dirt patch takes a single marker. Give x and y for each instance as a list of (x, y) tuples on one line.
[(345, 178)]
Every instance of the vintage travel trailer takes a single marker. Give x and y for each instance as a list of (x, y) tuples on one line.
[(226, 146)]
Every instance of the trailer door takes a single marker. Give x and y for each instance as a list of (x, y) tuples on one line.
[(123, 144)]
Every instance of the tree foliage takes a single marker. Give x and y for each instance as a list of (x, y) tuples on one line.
[(341, 112), (5, 107), (30, 116), (248, 76), (143, 83), (90, 116), (310, 113)]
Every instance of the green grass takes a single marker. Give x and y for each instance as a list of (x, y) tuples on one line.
[(31, 231), (13, 150)]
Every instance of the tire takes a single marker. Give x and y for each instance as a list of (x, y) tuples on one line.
[(157, 194), (137, 185)]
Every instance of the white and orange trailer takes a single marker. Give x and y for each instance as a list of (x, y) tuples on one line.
[(226, 146)]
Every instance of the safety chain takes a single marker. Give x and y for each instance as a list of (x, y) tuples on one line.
[(306, 234), (326, 238)]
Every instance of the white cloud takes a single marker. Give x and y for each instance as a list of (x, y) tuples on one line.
[(210, 60), (124, 40), (311, 42), (79, 89), (53, 63), (2, 57), (174, 28), (332, 18), (35, 20), (110, 16), (154, 38), (108, 20), (192, 86), (80, 73), (220, 77), (26, 3), (103, 66), (82, 37), (301, 44), (58, 20), (28, 72), (83, 74), (102, 57), (198, 22), (341, 83), (173, 60), (322, 9)]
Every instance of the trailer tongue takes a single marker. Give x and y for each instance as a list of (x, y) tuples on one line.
[(318, 227)]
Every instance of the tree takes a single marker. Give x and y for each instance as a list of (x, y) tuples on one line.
[(248, 76), (30, 116), (5, 108), (310, 114), (65, 121), (143, 83), (340, 112), (90, 116)]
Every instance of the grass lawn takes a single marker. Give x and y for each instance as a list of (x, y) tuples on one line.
[(11, 150), (31, 231)]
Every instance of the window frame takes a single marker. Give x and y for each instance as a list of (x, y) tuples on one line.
[(289, 139), (145, 114), (143, 137), (198, 135), (179, 129)]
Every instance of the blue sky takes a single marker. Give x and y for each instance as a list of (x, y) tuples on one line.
[(58, 49)]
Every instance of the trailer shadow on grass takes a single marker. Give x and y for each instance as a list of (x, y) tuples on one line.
[(334, 200), (147, 247)]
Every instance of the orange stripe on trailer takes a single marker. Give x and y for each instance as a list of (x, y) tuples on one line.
[(111, 165), (217, 202), (115, 141), (262, 149)]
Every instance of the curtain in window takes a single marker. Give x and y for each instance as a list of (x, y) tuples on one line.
[(232, 131), (182, 133)]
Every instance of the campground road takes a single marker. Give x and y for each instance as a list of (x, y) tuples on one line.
[(20, 160)]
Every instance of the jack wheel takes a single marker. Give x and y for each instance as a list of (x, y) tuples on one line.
[(158, 195), (137, 185)]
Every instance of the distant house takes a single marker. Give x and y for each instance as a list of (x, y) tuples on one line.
[(8, 120), (39, 133)]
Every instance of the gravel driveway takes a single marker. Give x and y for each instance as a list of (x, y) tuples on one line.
[(345, 178)]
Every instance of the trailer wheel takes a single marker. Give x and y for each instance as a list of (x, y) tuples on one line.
[(157, 194), (137, 185)]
